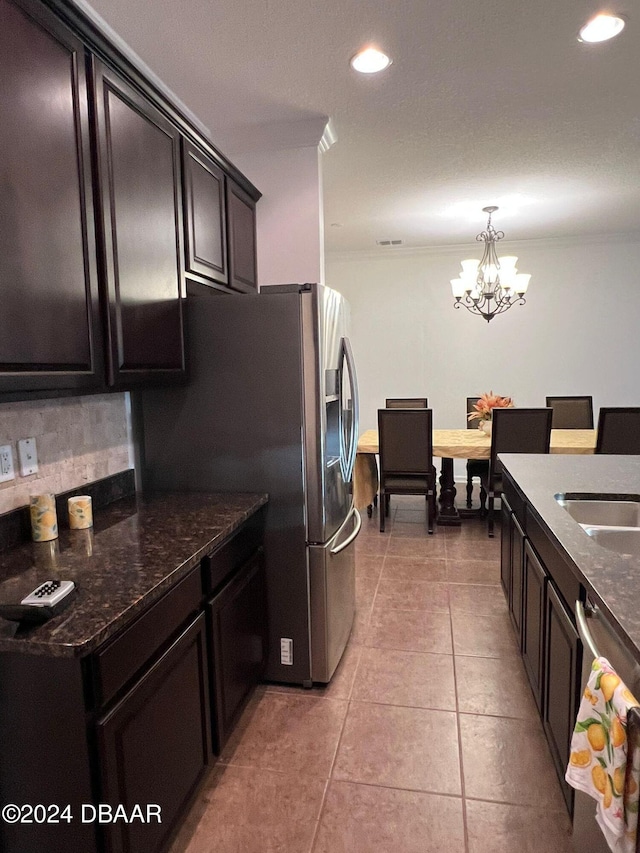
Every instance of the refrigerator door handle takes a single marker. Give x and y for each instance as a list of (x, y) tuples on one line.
[(355, 418), (352, 535)]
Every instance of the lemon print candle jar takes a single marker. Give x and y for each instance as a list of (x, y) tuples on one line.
[(44, 522), (80, 512)]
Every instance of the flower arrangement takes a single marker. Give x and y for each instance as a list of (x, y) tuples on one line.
[(485, 405)]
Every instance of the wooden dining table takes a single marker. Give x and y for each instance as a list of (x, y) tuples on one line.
[(450, 444)]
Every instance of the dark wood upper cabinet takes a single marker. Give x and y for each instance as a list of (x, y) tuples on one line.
[(49, 322), (241, 214), (141, 216), (205, 215)]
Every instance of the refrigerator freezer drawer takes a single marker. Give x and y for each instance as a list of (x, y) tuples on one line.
[(332, 583)]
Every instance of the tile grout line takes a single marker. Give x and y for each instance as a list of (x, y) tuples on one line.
[(344, 721), (335, 755), (465, 828)]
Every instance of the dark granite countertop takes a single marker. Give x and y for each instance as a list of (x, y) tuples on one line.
[(611, 579), (139, 547)]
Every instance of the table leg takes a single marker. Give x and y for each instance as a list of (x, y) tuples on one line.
[(448, 514)]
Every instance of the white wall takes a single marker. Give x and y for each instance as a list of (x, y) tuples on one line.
[(290, 235), (579, 332)]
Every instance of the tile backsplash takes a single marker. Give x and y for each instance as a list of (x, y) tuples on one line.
[(78, 440)]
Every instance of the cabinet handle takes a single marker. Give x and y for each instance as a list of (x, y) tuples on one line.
[(582, 614), (353, 535)]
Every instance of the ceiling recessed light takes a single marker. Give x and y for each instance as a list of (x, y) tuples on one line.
[(370, 61), (601, 28)]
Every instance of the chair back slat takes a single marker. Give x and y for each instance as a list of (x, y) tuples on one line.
[(619, 430), (406, 403), (571, 412)]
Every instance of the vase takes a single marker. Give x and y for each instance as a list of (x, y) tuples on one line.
[(485, 427)]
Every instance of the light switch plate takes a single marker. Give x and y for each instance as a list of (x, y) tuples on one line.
[(6, 463), (28, 454)]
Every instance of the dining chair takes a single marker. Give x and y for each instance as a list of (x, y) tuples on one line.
[(571, 412), (619, 430), (405, 446), (406, 403), (514, 431), (475, 467)]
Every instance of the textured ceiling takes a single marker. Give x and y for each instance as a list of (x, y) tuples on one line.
[(487, 102)]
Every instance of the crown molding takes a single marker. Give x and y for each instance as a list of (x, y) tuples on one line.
[(279, 136), (386, 252)]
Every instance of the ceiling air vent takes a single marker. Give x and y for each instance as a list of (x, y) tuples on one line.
[(389, 242)]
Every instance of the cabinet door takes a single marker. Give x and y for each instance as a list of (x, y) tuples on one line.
[(506, 533), (154, 745), (139, 168), (534, 582), (562, 685), (49, 321), (238, 626), (241, 214), (517, 571), (205, 215)]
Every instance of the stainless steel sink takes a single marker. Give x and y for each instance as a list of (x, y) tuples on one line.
[(607, 513), (622, 540)]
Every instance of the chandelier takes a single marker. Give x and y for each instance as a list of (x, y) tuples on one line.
[(492, 285)]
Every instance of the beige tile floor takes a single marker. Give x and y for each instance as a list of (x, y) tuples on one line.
[(427, 738)]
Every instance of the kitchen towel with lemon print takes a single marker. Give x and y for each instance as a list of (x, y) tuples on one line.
[(604, 763)]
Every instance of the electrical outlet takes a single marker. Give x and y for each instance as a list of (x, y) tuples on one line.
[(6, 463), (28, 454), (286, 651)]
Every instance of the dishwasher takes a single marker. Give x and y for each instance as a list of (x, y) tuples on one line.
[(598, 640)]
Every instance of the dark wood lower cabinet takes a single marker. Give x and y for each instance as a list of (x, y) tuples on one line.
[(154, 744), (238, 633), (44, 754), (506, 531), (561, 688), (136, 721), (534, 582), (512, 565), (517, 577), (540, 588)]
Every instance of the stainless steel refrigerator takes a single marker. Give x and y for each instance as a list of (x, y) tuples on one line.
[(272, 405)]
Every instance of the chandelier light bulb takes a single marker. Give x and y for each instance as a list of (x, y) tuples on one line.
[(470, 267), (458, 287), (508, 262)]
